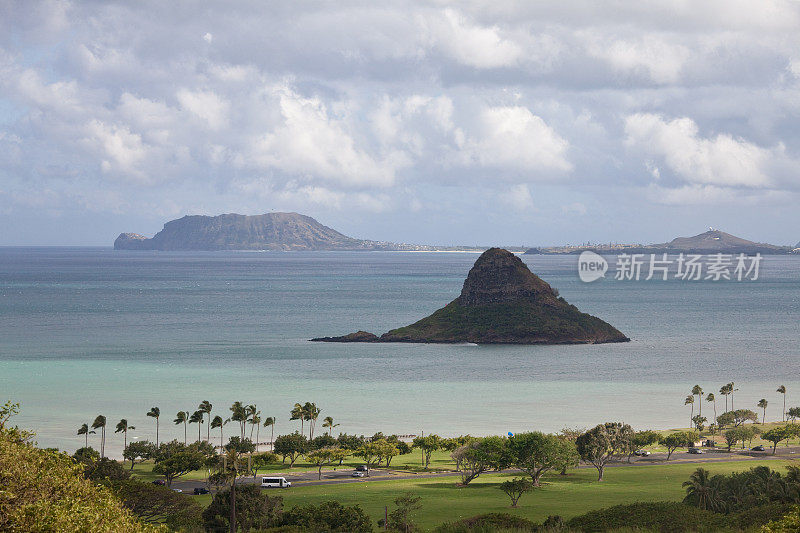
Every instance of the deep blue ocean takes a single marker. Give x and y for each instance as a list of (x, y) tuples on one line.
[(85, 331)]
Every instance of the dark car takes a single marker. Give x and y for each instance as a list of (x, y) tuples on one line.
[(200, 490), (160, 482), (695, 451), (758, 448), (362, 468)]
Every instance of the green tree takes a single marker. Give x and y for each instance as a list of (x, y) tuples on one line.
[(479, 455), (762, 404), (239, 414), (158, 505), (601, 443), (178, 465), (206, 407), (297, 413), (253, 509), (100, 423), (642, 439), (197, 418), (782, 390), (84, 430), (776, 435), (536, 453), (698, 422), (736, 418), (182, 418), (269, 422), (793, 413), (321, 457), (428, 445), (291, 446), (155, 412), (673, 441), (123, 427), (725, 390), (141, 450), (732, 436), (515, 488)]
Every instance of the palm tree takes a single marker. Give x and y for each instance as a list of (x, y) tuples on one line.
[(731, 390), (155, 412), (311, 412), (762, 403), (197, 418), (700, 490), (250, 411), (206, 406), (255, 420), (298, 414), (123, 426), (690, 401), (181, 418), (697, 390), (270, 422), (239, 414), (725, 392), (100, 422), (328, 423), (782, 390), (84, 430), (712, 398), (217, 423)]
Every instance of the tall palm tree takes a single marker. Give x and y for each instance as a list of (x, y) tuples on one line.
[(206, 406), (249, 411), (181, 418), (725, 392), (155, 412), (270, 422), (255, 420), (298, 414), (197, 418), (328, 423), (217, 423), (84, 430), (782, 390), (100, 423), (731, 390), (713, 399), (762, 403), (239, 414), (690, 401), (123, 426), (311, 413), (697, 390)]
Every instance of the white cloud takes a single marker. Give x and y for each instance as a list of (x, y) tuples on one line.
[(512, 136), (517, 197), (654, 57), (719, 160), (207, 105), (471, 44)]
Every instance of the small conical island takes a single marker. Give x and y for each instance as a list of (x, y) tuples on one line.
[(502, 302)]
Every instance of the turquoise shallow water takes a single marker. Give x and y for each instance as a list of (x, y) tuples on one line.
[(88, 331)]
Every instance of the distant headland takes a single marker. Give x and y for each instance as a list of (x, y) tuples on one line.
[(501, 302)]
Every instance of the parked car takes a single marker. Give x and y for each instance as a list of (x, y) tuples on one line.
[(758, 448), (362, 468), (177, 490), (200, 490), (358, 473), (695, 451), (160, 482), (641, 453)]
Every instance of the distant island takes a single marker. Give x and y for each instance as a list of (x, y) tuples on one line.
[(501, 302), (271, 231), (711, 242)]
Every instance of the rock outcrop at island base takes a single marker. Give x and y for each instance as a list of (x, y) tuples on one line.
[(501, 302)]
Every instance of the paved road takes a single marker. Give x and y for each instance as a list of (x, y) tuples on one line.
[(344, 475)]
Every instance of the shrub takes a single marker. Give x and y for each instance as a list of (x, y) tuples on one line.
[(330, 516), (254, 509), (667, 517), (488, 522)]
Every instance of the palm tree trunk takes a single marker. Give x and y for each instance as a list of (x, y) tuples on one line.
[(258, 432), (199, 427), (184, 433), (220, 439), (272, 438), (156, 432)]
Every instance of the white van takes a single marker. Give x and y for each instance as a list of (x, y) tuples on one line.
[(275, 482)]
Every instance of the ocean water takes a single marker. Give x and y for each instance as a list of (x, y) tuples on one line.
[(87, 331)]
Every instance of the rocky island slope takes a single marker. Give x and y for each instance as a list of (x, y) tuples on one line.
[(501, 302)]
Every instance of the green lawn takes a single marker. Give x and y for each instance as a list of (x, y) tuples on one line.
[(443, 500)]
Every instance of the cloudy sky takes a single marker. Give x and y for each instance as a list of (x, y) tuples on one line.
[(433, 122)]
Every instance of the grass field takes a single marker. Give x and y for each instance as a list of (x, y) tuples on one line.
[(577, 493)]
